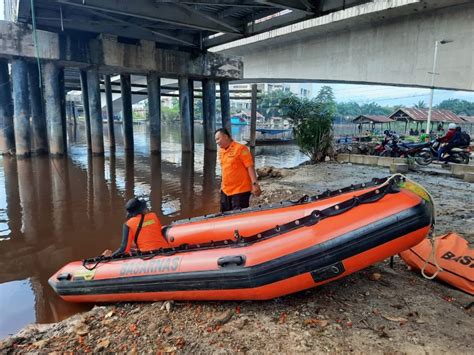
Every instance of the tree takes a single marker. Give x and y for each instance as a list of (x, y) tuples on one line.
[(421, 104), (312, 123), (459, 107), (269, 104)]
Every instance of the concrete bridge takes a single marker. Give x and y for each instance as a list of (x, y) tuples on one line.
[(382, 42), (155, 38)]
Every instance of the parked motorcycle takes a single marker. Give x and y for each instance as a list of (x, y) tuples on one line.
[(456, 155), (417, 151)]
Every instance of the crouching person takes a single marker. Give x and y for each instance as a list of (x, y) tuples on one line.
[(142, 230)]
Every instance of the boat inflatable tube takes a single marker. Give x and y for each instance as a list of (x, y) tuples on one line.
[(452, 254), (358, 228)]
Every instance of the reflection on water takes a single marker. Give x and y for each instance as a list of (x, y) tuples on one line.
[(53, 211)]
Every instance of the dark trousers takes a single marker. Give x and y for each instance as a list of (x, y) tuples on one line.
[(234, 202)]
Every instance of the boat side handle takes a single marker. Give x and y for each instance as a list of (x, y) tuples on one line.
[(231, 260)]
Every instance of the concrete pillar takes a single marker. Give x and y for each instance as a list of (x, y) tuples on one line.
[(185, 114), (253, 116), (95, 108), (62, 93), (21, 108), (225, 105), (191, 109), (38, 119), (110, 112), (52, 99), (85, 105), (127, 114), (154, 111), (209, 113), (7, 133)]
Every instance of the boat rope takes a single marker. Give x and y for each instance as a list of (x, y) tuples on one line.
[(389, 186), (431, 237)]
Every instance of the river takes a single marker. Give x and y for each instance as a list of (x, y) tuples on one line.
[(53, 211)]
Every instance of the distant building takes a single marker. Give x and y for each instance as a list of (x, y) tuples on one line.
[(302, 90)]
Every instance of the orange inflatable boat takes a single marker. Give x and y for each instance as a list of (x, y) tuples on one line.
[(264, 252)]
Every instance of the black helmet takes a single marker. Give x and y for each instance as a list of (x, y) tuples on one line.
[(135, 206), (386, 132)]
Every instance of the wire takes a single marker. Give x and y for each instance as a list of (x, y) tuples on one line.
[(35, 40)]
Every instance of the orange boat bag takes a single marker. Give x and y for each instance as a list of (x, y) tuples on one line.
[(453, 255)]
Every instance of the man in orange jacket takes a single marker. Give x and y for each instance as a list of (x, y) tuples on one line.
[(239, 179), (142, 229)]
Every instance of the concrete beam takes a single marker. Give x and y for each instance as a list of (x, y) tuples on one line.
[(185, 114), (52, 99), (110, 112), (21, 108), (38, 119), (209, 113), (7, 133), (154, 112), (365, 43), (225, 105), (95, 108), (112, 56), (127, 114), (85, 105)]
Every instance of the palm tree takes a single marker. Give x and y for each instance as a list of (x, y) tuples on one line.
[(421, 104)]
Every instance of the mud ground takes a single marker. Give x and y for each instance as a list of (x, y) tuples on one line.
[(377, 310)]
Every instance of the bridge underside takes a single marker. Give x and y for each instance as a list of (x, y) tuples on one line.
[(370, 44)]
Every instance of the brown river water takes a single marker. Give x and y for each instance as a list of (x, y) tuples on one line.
[(56, 211)]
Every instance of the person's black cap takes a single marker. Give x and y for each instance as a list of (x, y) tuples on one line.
[(134, 206)]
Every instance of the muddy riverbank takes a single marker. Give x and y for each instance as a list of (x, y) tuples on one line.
[(376, 310)]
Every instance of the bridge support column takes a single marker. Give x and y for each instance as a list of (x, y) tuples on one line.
[(7, 133), (127, 114), (38, 120), (253, 116), (154, 111), (85, 105), (191, 109), (21, 108), (110, 112), (225, 105), (209, 113), (185, 114), (62, 92), (52, 98), (95, 108)]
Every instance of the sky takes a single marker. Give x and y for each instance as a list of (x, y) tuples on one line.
[(391, 95), (1, 9)]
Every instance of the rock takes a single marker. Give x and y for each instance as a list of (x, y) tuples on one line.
[(167, 305), (240, 323), (40, 344), (315, 322), (223, 318), (82, 329), (102, 345), (110, 314), (375, 276)]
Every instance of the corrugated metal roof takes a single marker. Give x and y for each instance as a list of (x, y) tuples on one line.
[(468, 119), (421, 114), (372, 118)]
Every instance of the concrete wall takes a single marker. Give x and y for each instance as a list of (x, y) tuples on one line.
[(385, 42), (112, 56)]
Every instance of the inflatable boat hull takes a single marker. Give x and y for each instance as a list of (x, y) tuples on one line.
[(323, 246)]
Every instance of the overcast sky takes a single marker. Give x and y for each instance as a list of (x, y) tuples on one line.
[(1, 9)]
